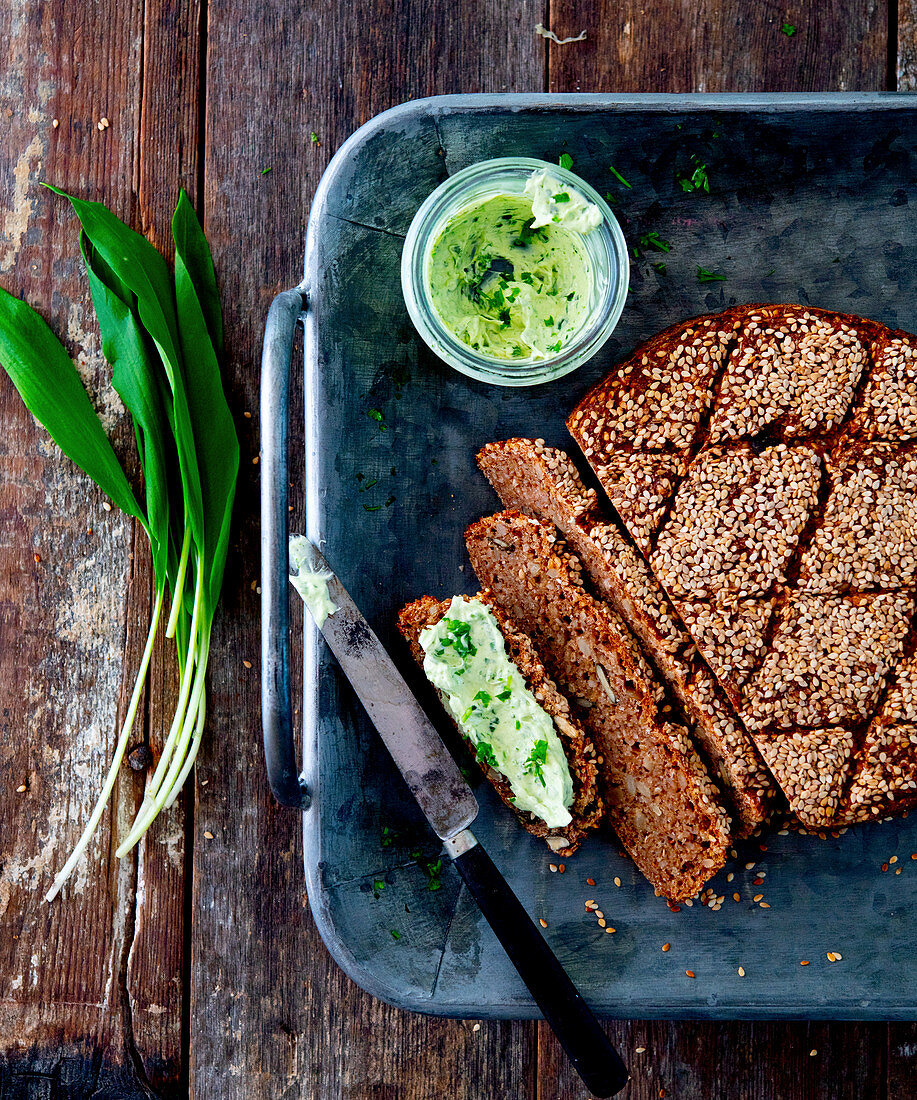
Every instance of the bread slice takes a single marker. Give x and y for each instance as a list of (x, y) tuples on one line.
[(587, 807), (543, 482), (660, 800)]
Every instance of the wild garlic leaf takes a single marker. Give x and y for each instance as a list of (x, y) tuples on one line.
[(137, 377), (215, 436), (52, 391), (143, 271)]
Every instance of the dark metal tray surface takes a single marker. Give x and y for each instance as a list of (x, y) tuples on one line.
[(812, 201)]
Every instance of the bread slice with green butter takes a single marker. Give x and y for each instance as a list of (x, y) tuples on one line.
[(546, 735), (660, 799)]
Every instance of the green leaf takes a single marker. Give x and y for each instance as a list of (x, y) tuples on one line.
[(565, 161), (141, 271), (51, 388), (215, 439), (138, 378)]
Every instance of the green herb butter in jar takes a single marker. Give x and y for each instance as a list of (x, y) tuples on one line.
[(514, 271)]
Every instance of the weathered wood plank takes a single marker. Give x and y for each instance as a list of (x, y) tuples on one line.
[(167, 158), (64, 621), (91, 996), (707, 46), (271, 1013), (907, 46), (697, 1061)]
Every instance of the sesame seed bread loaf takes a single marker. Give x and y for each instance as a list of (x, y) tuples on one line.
[(587, 807), (542, 481), (763, 460), (659, 797)]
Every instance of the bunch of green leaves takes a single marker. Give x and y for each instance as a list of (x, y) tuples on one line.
[(162, 335)]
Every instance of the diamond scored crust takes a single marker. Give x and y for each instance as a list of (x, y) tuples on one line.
[(762, 463)]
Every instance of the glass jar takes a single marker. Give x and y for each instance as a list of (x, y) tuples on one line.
[(605, 248)]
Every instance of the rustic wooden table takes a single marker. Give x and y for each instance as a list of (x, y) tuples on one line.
[(195, 966)]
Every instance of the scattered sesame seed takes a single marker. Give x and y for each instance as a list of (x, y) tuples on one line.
[(894, 859), (690, 973), (477, 1027), (590, 904), (21, 789), (208, 835), (55, 123), (247, 664), (812, 1053), (255, 460), (542, 922), (106, 507), (884, 866), (757, 897), (601, 922), (562, 868), (749, 866), (741, 971), (591, 881), (247, 415), (736, 897), (730, 877), (37, 557), (617, 881), (666, 946), (758, 881), (803, 962), (552, 867), (765, 905), (639, 1050)]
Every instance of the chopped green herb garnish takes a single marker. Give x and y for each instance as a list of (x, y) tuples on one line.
[(705, 276), (505, 696), (372, 507), (617, 175), (654, 242), (264, 171), (698, 180), (379, 417), (549, 321), (483, 697), (389, 836), (565, 161), (660, 267), (378, 887), (395, 935), (485, 754), (767, 274), (561, 196), (434, 870), (536, 761), (314, 138), (556, 347), (788, 29), (458, 635)]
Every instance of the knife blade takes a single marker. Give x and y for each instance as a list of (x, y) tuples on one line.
[(450, 807), (413, 741)]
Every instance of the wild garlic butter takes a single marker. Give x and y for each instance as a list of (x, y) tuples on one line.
[(510, 276), (465, 658)]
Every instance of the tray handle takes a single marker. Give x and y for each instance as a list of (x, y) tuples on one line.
[(287, 310)]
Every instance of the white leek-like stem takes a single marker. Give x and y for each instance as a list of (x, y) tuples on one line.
[(150, 810), (192, 755), (120, 749), (179, 590), (181, 707)]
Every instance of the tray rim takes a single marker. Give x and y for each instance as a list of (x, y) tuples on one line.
[(435, 107)]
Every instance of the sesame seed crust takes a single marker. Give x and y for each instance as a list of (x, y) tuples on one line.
[(640, 487), (736, 520), (544, 482), (867, 538), (827, 661), (838, 551), (790, 368), (811, 766)]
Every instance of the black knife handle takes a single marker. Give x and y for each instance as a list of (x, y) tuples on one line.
[(579, 1032)]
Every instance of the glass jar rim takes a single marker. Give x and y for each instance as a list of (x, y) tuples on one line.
[(449, 199)]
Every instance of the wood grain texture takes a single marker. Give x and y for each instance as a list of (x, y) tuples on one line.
[(708, 46), (906, 68), (272, 1014), (91, 991), (69, 639), (167, 159)]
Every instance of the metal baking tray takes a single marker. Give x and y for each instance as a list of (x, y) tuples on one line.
[(812, 201)]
